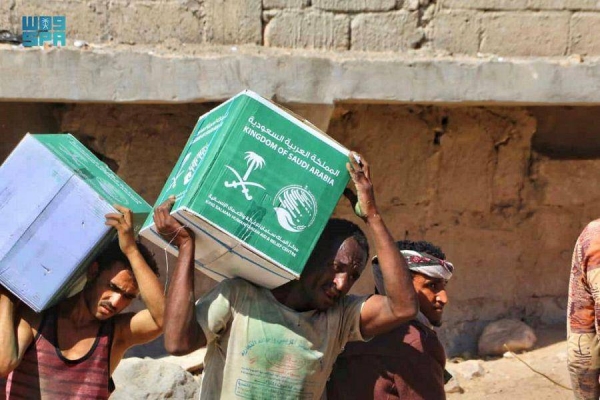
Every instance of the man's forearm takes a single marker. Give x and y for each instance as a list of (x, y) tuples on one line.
[(9, 354), (584, 378), (402, 298), (151, 290), (182, 332)]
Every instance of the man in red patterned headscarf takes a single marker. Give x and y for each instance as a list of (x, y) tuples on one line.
[(408, 362)]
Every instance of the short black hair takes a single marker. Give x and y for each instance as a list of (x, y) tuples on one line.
[(112, 253), (343, 229), (336, 231), (422, 247)]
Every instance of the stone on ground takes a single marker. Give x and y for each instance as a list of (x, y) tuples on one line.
[(517, 335), (467, 370), (137, 378), (453, 386)]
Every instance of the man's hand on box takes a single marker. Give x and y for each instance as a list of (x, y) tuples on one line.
[(363, 202), (168, 227), (122, 222)]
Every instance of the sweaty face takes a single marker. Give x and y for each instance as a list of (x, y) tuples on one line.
[(432, 297), (112, 291), (326, 283)]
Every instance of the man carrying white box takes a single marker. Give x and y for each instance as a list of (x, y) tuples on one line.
[(71, 350), (282, 343)]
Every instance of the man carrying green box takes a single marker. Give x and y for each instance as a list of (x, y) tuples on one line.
[(282, 343), (71, 350)]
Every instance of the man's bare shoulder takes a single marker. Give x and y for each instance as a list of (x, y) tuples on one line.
[(124, 319), (135, 327), (31, 317)]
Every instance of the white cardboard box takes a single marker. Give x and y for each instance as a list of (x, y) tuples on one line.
[(54, 194)]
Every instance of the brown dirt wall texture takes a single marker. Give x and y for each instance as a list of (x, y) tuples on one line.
[(468, 179)]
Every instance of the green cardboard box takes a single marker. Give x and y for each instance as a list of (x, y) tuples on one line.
[(257, 186), (54, 194)]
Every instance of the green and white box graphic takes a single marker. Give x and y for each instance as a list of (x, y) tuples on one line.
[(54, 194), (257, 186)]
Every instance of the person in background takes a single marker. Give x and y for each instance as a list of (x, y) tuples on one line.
[(583, 314), (407, 362)]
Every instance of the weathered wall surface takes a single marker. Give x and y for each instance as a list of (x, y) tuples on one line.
[(502, 27), (483, 183), (470, 180)]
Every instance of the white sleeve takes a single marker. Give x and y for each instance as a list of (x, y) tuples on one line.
[(350, 327), (214, 310)]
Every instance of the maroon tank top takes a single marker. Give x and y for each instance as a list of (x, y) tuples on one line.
[(44, 373)]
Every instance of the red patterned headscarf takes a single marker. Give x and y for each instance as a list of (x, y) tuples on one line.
[(421, 263)]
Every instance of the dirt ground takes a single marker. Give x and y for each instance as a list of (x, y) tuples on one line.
[(508, 378)]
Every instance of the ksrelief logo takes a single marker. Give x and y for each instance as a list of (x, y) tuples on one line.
[(254, 161), (194, 165), (296, 208), (190, 170)]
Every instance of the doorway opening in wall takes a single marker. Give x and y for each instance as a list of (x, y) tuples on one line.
[(567, 133)]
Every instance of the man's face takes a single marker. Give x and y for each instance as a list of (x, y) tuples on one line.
[(432, 297), (326, 283), (111, 291)]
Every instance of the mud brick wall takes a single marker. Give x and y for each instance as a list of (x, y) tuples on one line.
[(504, 191)]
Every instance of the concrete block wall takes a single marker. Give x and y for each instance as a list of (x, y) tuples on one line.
[(461, 27), (299, 29), (516, 27), (170, 22), (376, 25)]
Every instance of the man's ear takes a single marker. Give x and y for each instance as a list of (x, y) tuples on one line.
[(92, 272)]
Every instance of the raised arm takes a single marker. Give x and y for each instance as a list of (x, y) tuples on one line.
[(15, 333), (146, 324), (183, 333), (382, 313)]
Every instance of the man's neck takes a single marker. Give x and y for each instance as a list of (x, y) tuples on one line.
[(291, 296), (424, 320), (76, 310)]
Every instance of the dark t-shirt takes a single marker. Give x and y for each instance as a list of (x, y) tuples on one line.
[(406, 363)]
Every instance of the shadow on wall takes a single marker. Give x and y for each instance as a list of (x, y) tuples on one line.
[(17, 119), (567, 133)]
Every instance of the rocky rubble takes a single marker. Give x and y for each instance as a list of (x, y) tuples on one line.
[(137, 378)]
